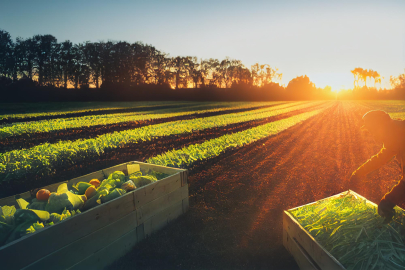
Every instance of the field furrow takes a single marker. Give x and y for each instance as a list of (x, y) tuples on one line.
[(238, 197), (97, 109), (134, 151), (90, 127)]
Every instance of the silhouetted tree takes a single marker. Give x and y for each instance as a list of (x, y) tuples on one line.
[(6, 54)]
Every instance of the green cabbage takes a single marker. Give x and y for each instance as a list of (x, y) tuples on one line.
[(113, 195), (57, 202), (7, 214), (118, 175)]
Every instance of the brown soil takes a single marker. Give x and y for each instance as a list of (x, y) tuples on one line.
[(237, 199), (33, 139), (128, 152)]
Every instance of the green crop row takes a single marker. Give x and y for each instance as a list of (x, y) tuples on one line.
[(390, 106), (56, 109), (395, 108), (186, 156), (105, 119), (42, 159)]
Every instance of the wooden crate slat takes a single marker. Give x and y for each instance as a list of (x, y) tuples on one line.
[(158, 168), (108, 254), (149, 209), (184, 176), (8, 201), (110, 170), (54, 187), (303, 260), (159, 188), (322, 257), (87, 245), (64, 233), (161, 219)]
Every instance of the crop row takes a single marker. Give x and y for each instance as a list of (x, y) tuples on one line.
[(43, 158), (74, 109), (395, 108), (106, 119), (186, 156), (132, 151)]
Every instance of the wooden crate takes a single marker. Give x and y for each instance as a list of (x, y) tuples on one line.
[(99, 236), (307, 252)]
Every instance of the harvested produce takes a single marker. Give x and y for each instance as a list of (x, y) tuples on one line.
[(90, 192), (81, 187), (38, 213), (351, 230), (95, 182), (43, 195)]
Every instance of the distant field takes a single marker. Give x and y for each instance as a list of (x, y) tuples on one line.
[(248, 162)]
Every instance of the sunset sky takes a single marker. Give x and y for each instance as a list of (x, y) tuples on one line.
[(322, 39)]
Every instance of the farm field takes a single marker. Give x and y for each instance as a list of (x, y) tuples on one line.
[(247, 163)]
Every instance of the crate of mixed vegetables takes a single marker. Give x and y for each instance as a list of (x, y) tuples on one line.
[(90, 221), (344, 232)]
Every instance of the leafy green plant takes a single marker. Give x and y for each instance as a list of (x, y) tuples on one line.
[(188, 155), (351, 230), (43, 158)]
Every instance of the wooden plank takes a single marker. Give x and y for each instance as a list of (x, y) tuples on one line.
[(158, 168), (149, 209), (8, 201), (54, 187), (157, 189), (301, 257), (131, 168), (108, 254), (161, 219), (321, 256), (34, 247), (184, 176), (86, 246)]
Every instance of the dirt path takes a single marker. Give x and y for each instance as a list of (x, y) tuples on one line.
[(237, 199)]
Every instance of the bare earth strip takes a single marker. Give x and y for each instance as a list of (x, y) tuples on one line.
[(135, 151), (237, 199), (29, 140)]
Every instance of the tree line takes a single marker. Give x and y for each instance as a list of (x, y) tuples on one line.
[(65, 64), (40, 68)]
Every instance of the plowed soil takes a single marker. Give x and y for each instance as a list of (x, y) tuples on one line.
[(135, 151), (237, 199), (33, 139)]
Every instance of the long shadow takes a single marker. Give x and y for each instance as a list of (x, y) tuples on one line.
[(237, 199)]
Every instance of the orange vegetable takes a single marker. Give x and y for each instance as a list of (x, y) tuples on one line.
[(90, 192), (43, 195), (95, 182)]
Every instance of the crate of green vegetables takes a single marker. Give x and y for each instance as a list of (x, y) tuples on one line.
[(344, 232), (90, 221)]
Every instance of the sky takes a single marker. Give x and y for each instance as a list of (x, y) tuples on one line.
[(318, 38)]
